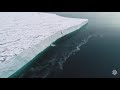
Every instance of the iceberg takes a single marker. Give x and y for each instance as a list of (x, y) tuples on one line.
[(23, 35)]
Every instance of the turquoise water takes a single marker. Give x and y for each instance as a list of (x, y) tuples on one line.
[(91, 52)]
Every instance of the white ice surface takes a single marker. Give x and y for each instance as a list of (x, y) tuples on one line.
[(23, 35)]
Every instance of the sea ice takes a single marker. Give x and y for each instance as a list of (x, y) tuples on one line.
[(23, 35)]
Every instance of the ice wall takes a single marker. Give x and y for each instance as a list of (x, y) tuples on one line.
[(23, 35)]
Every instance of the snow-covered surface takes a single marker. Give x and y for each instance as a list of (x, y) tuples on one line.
[(23, 35)]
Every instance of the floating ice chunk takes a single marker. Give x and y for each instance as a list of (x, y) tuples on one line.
[(53, 45)]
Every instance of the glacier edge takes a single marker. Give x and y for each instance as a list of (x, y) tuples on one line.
[(8, 68)]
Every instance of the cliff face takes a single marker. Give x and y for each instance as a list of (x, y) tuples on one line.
[(23, 35)]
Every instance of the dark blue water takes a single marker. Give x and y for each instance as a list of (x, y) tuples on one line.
[(91, 52)]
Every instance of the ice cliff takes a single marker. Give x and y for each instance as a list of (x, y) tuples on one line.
[(23, 35)]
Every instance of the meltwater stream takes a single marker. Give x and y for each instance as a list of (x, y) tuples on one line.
[(90, 52)]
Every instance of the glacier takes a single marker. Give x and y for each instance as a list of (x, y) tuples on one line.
[(23, 35)]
